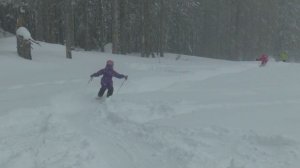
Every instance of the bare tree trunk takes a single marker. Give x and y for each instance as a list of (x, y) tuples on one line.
[(162, 28), (143, 38), (68, 28), (102, 28), (39, 21), (87, 27), (146, 29), (115, 27), (24, 47), (124, 31)]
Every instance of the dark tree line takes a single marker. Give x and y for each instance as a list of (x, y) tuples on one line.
[(230, 29)]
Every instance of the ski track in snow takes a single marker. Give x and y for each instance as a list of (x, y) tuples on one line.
[(125, 131), (77, 143), (165, 145), (39, 84)]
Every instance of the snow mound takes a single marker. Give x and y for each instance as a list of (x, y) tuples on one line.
[(108, 48), (23, 32)]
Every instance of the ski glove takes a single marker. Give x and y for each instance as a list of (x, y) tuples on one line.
[(126, 77)]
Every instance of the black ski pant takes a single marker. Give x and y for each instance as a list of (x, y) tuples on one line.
[(103, 89)]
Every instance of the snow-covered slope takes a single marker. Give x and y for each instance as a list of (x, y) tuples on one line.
[(186, 113), (4, 33)]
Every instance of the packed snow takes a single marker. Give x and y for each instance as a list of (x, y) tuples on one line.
[(185, 112)]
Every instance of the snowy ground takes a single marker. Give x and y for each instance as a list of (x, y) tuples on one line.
[(186, 113)]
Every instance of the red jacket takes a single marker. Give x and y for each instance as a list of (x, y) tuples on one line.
[(263, 58)]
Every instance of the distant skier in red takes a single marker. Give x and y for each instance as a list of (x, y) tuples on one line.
[(264, 59)]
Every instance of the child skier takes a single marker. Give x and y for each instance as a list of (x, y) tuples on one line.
[(106, 81), (283, 56), (264, 59)]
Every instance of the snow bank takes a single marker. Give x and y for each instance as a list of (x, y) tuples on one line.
[(108, 48)]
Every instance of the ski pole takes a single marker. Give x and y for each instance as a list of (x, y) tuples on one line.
[(120, 86), (90, 80)]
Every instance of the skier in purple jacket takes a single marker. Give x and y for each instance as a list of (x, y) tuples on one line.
[(106, 81)]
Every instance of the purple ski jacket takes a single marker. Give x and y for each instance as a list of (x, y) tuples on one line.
[(108, 73)]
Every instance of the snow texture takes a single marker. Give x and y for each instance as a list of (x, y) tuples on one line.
[(4, 33), (23, 32), (186, 113)]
